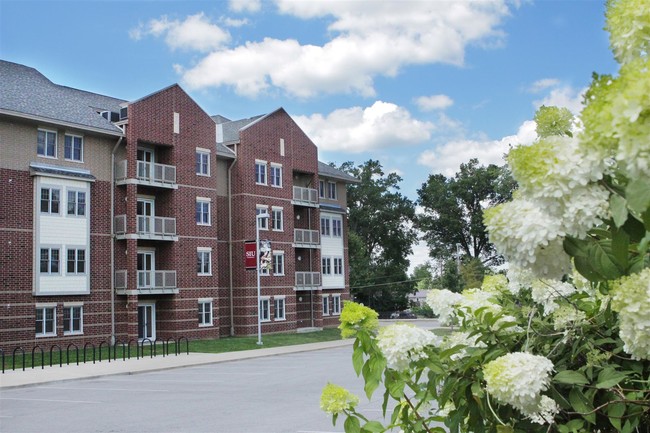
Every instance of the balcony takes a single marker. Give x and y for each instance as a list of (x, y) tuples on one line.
[(148, 173), (149, 283), (305, 196), (149, 227), (307, 281), (303, 238)]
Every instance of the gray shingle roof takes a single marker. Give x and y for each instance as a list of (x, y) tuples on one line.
[(231, 128), (326, 170), (26, 92)]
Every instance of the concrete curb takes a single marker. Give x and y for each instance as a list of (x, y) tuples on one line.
[(37, 376)]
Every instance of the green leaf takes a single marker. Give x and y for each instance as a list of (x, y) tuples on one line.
[(620, 248), (609, 377), (585, 268), (638, 195), (615, 412), (570, 377), (600, 253), (581, 405), (373, 427), (352, 425), (357, 359), (396, 388), (371, 385), (504, 429), (576, 247)]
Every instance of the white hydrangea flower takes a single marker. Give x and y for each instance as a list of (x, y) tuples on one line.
[(585, 208), (547, 292), (631, 300), (547, 410), (518, 379), (519, 278), (473, 299), (402, 343), (567, 316), (494, 283), (443, 303), (460, 339)]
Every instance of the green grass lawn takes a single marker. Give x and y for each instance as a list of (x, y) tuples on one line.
[(227, 344)]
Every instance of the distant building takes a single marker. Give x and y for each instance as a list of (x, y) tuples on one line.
[(127, 220)]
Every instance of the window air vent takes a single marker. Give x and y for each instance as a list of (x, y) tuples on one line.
[(124, 113)]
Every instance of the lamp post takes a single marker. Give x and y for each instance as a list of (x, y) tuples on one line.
[(258, 218)]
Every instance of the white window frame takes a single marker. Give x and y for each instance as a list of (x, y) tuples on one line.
[(76, 261), (278, 259), (279, 304), (331, 190), (265, 309), (49, 260), (46, 132), (205, 306), (262, 222), (73, 138), (277, 219), (43, 329), (50, 190), (326, 305), (77, 194), (321, 188), (203, 258), (337, 265), (325, 226), (260, 172), (326, 265), (276, 175), (70, 307), (337, 227), (203, 201), (336, 305), (202, 162)]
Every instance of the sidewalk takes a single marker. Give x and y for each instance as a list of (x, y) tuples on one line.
[(19, 378)]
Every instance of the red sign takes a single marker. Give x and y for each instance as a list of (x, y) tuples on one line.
[(250, 253)]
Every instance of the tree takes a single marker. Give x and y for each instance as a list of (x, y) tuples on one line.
[(453, 209), (381, 237)]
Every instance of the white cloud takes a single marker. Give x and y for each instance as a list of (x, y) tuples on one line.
[(196, 32), (434, 102), (446, 159), (245, 5), (359, 129), (231, 22), (543, 84), (366, 42), (564, 96)]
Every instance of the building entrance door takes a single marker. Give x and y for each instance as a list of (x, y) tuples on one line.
[(147, 321)]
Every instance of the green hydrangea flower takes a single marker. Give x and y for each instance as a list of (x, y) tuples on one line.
[(553, 121), (336, 399), (631, 300), (355, 317), (628, 23)]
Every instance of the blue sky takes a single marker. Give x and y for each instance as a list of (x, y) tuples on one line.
[(422, 86)]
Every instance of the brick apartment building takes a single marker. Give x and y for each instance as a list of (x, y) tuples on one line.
[(124, 220)]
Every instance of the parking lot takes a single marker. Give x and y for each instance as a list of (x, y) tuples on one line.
[(267, 395)]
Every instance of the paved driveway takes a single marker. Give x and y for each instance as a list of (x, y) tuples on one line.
[(263, 395)]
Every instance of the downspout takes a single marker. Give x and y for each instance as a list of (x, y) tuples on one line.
[(311, 293), (232, 313), (113, 240)]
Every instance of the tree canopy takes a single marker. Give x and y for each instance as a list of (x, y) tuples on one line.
[(380, 238), (452, 217)]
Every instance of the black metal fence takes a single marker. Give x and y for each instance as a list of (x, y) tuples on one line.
[(72, 352)]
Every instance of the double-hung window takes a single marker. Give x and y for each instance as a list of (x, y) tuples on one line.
[(73, 149), (204, 261), (265, 309), (260, 172), (326, 305), (331, 190), (278, 263), (277, 214), (76, 203), (263, 223), (337, 227), (205, 312), (76, 261), (72, 319), (279, 311), (336, 304), (202, 162), (203, 211), (46, 145), (326, 263), (321, 188), (49, 261), (276, 175), (338, 265), (325, 226), (50, 200), (45, 321)]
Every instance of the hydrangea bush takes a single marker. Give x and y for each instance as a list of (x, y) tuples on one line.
[(562, 342)]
